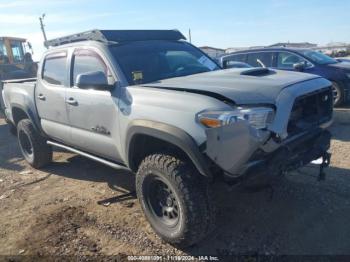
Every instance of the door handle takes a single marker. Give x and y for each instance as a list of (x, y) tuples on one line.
[(71, 101), (41, 97)]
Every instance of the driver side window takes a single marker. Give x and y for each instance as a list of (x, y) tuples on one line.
[(287, 60), (85, 61)]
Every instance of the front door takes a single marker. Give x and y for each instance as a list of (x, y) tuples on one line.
[(287, 60), (50, 96), (93, 113)]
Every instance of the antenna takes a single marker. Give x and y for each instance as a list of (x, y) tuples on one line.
[(189, 35), (42, 26)]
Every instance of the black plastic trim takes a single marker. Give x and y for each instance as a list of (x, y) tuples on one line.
[(167, 133), (31, 116)]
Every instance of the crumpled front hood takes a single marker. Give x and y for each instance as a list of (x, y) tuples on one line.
[(241, 89)]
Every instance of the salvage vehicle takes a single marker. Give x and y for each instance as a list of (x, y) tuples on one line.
[(150, 102), (302, 60)]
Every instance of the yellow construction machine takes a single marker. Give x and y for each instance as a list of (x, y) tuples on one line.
[(16, 59)]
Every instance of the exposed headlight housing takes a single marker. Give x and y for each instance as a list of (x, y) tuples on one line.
[(257, 117)]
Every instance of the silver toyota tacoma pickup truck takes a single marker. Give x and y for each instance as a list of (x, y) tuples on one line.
[(153, 103)]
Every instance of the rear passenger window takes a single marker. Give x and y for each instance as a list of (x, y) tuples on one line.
[(54, 71), (86, 61), (229, 61), (266, 58), (236, 58)]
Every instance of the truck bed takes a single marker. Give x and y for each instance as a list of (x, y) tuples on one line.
[(17, 91)]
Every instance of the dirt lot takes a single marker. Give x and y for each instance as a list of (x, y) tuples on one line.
[(80, 207)]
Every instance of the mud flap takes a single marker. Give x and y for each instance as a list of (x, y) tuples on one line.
[(232, 145)]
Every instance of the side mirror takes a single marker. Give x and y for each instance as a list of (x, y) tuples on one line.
[(93, 80), (300, 66)]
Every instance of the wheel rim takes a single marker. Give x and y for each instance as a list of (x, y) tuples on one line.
[(336, 93), (26, 144), (161, 201)]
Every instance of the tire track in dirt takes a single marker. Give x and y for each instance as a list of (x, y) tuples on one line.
[(63, 232)]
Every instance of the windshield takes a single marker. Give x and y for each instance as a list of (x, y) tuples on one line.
[(148, 61), (318, 57)]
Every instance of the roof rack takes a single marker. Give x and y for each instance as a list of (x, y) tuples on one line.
[(117, 36)]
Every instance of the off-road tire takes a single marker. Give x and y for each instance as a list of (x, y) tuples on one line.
[(33, 146), (191, 191)]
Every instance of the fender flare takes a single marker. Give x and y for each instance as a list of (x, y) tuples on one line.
[(170, 134), (31, 115)]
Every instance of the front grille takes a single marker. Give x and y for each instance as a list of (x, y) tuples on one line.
[(311, 110)]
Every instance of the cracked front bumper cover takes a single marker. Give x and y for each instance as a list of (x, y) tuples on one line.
[(291, 154), (231, 146)]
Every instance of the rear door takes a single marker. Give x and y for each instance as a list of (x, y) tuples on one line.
[(93, 114), (50, 95)]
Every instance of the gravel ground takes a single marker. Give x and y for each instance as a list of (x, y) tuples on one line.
[(79, 207)]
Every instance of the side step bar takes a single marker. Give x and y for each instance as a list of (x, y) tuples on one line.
[(92, 157)]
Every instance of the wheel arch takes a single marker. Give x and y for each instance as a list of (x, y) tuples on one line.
[(159, 134), (20, 112)]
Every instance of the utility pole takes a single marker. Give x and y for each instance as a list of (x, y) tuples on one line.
[(189, 35), (42, 26)]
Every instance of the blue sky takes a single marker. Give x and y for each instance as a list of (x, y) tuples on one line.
[(221, 23)]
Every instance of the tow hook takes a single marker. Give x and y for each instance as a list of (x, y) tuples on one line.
[(325, 163)]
